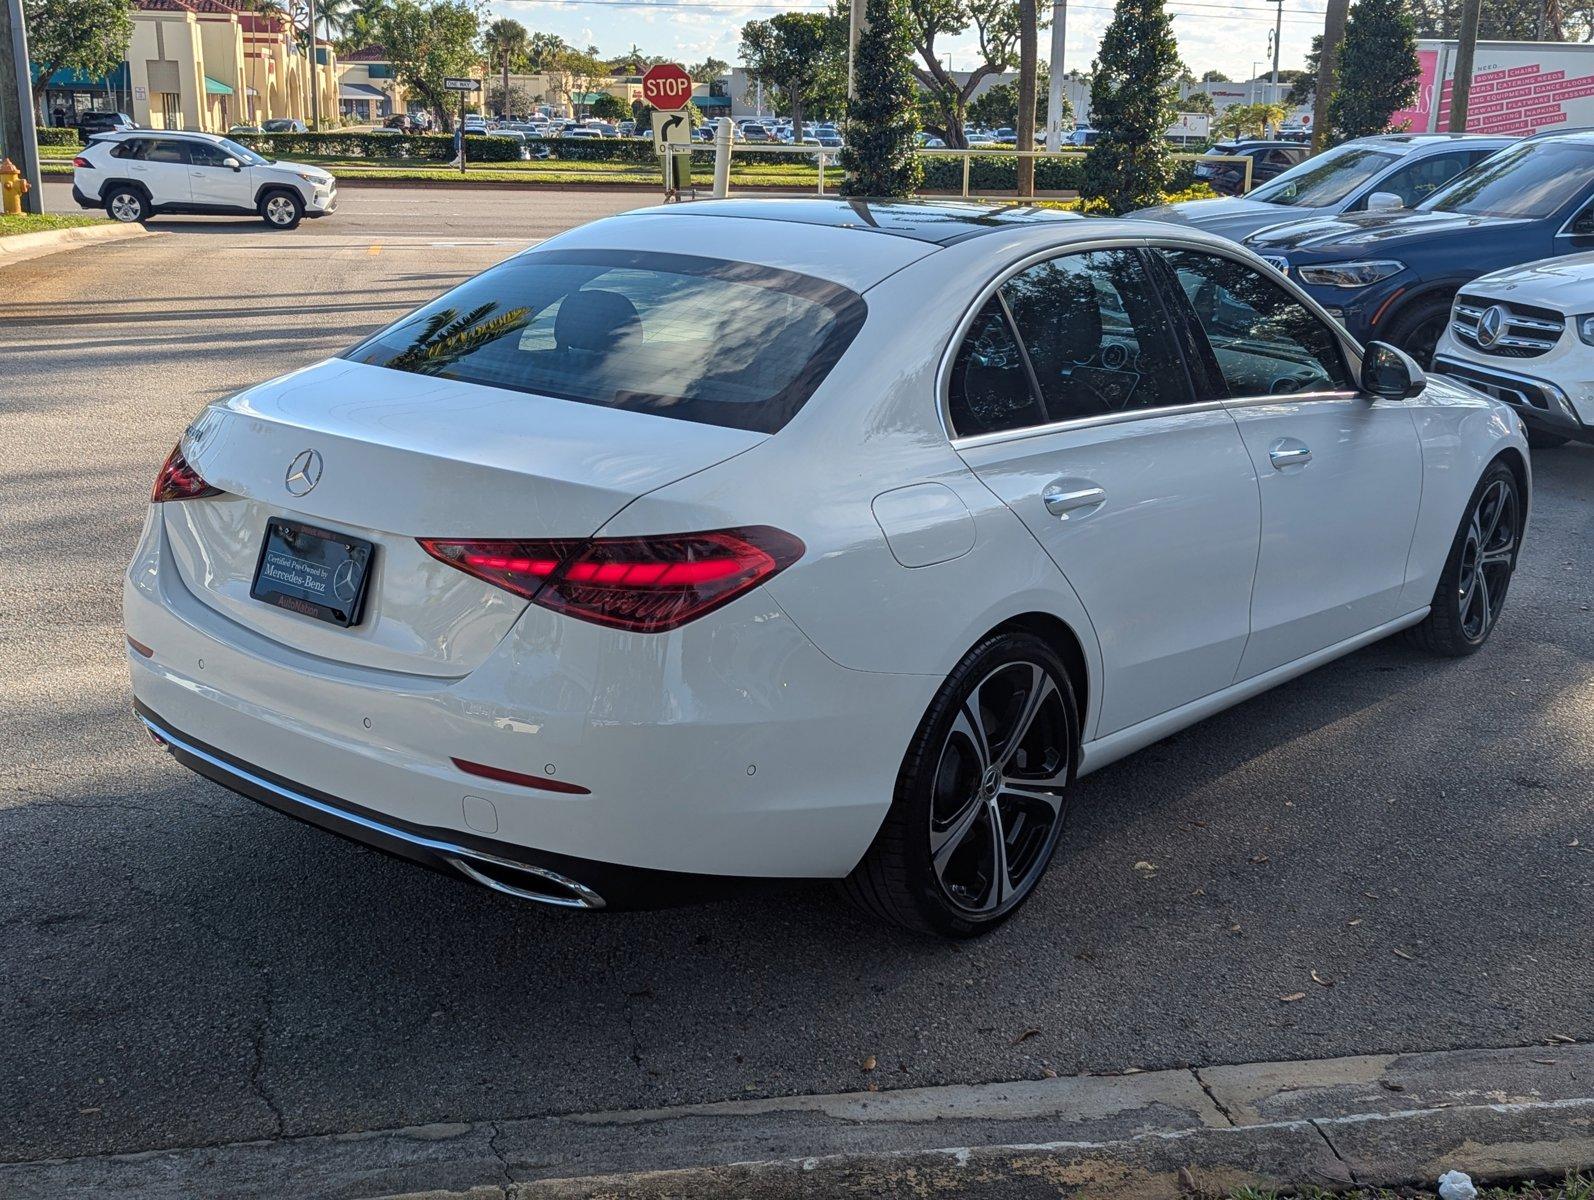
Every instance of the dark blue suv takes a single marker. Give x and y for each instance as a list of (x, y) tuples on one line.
[(1392, 274)]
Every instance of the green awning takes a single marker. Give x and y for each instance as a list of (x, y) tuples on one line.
[(214, 87), (589, 97)]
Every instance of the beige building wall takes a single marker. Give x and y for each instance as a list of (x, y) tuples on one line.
[(165, 60)]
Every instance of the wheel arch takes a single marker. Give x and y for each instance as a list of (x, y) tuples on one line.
[(142, 189), (266, 189), (1060, 636), (1421, 294), (1517, 461)]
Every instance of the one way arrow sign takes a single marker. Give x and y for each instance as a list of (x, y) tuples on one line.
[(670, 128)]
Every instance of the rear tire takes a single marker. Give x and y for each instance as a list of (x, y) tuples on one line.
[(981, 796), (1417, 328), (127, 205), (281, 209), (1477, 574)]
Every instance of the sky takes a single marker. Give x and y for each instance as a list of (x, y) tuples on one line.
[(1213, 35)]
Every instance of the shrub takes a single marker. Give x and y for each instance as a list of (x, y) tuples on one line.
[(57, 135), (431, 147), (999, 172)]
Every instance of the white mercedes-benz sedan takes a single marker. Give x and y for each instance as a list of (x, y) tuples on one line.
[(798, 539)]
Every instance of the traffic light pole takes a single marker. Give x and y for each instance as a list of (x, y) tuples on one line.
[(20, 143)]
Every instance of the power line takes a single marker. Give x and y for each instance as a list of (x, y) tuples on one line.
[(1234, 10)]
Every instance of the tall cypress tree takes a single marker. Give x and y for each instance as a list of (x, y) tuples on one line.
[(878, 156), (1133, 101), (1377, 71)]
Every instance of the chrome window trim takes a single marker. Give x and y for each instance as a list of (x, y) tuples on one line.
[(1291, 398), (973, 441), (1239, 254)]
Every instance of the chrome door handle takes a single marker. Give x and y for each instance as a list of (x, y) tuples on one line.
[(1060, 501), (1289, 453)]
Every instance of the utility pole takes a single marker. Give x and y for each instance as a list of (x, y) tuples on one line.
[(1054, 94), (315, 74), (1333, 35), (1278, 35), (1461, 82), (17, 139), (1028, 65)]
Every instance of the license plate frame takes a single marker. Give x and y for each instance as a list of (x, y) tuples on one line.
[(314, 572)]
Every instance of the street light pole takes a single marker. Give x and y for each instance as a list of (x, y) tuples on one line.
[(17, 138), (1054, 94)]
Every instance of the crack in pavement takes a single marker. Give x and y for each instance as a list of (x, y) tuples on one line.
[(503, 1162), (1334, 1150), (257, 1084), (1213, 1096)]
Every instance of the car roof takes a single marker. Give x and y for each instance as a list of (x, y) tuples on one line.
[(122, 135), (939, 222)]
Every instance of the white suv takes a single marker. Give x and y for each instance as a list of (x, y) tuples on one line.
[(134, 174), (1525, 335)]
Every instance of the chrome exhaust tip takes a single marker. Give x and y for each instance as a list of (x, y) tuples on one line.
[(536, 884)]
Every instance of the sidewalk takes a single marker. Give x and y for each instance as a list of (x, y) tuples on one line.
[(1377, 1121)]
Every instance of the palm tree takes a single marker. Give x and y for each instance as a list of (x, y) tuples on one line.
[(505, 40), (543, 48)]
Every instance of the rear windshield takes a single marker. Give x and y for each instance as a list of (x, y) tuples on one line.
[(1326, 179), (698, 339)]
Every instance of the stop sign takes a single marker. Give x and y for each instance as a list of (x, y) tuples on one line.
[(667, 86)]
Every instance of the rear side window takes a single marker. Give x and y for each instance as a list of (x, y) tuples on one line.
[(698, 339)]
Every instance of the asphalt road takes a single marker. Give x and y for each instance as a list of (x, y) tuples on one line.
[(179, 967)]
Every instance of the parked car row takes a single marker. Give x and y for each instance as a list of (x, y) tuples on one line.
[(1474, 254)]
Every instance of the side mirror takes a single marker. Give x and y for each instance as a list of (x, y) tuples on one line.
[(1390, 373), (1384, 201), (233, 163)]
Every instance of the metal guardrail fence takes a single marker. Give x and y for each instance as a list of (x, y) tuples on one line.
[(724, 147)]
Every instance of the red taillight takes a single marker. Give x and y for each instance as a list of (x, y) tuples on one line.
[(80, 161), (179, 481), (644, 584)]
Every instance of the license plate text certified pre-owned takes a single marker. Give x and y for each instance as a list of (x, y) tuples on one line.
[(312, 571)]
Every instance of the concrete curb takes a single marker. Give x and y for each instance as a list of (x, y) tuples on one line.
[(23, 246), (1377, 1121)]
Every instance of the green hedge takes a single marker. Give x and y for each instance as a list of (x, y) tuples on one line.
[(430, 147), (57, 135), (994, 173)]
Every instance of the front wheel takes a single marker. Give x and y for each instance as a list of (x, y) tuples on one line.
[(1417, 329), (981, 795), (281, 210), (1483, 557)]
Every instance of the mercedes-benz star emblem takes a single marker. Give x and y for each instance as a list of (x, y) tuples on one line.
[(304, 472), (343, 581), (1490, 324)]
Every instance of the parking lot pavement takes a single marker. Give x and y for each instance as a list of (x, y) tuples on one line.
[(462, 212), (179, 967)]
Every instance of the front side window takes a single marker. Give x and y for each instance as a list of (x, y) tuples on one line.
[(1326, 179), (1418, 180), (1096, 335), (698, 339), (1264, 341)]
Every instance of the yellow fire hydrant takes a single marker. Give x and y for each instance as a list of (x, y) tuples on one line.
[(13, 187)]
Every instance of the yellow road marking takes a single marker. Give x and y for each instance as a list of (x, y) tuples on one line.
[(375, 249)]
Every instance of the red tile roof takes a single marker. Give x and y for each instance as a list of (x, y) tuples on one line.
[(366, 54)]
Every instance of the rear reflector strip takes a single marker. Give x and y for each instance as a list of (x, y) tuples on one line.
[(522, 780), (141, 648)]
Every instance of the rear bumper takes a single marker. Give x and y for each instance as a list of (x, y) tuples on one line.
[(730, 747), (552, 879), (84, 200)]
